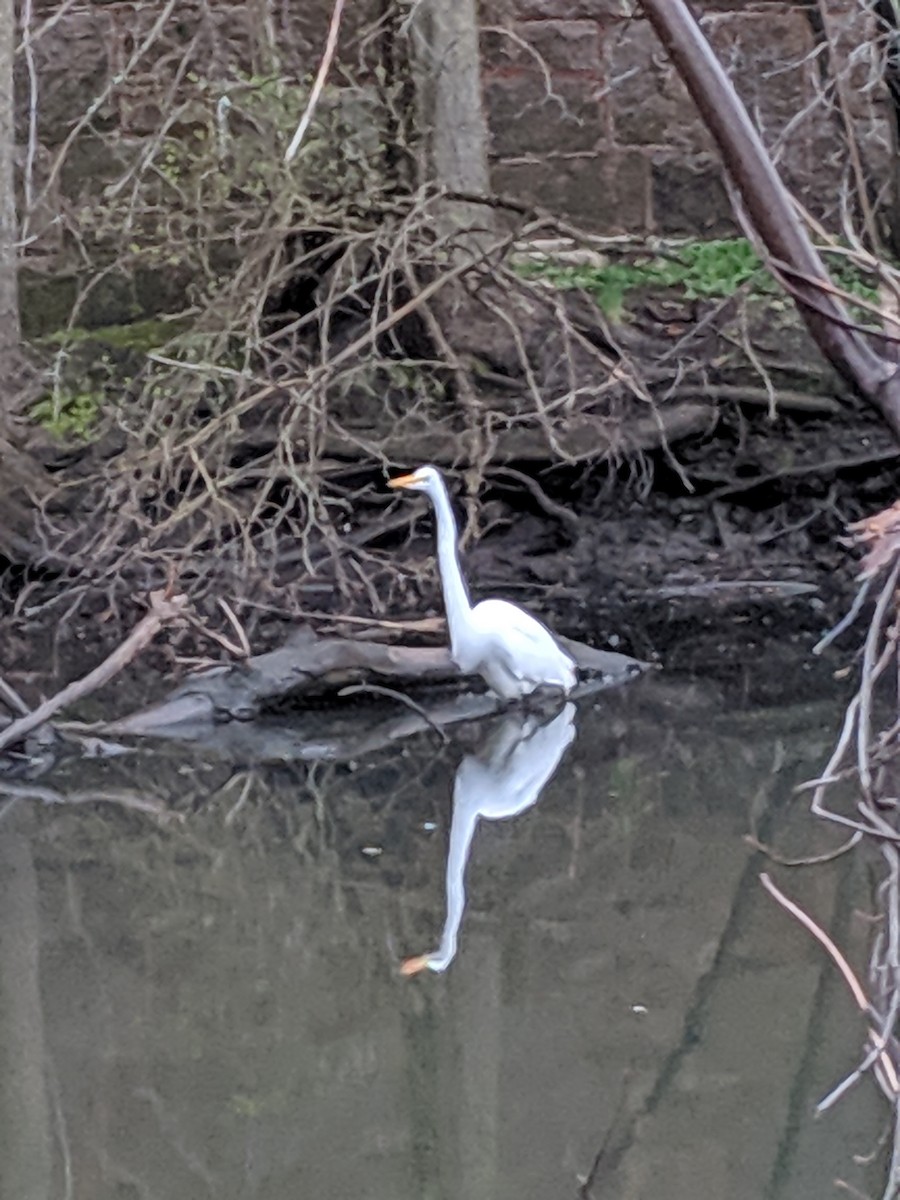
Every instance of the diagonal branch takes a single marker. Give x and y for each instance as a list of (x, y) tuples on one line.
[(163, 609), (769, 210)]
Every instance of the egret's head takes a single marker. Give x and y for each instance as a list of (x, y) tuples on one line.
[(423, 479)]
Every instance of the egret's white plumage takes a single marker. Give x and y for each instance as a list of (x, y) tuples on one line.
[(511, 650), (503, 779)]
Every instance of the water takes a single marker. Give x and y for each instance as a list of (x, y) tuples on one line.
[(211, 1003)]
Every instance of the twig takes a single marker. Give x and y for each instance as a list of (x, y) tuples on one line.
[(12, 698), (237, 626), (870, 673), (822, 937), (377, 690), (163, 609), (416, 625), (879, 1057), (319, 84), (550, 507), (812, 861), (133, 800), (845, 622)]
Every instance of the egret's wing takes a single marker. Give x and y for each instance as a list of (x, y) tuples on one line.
[(525, 647), (499, 616), (502, 779)]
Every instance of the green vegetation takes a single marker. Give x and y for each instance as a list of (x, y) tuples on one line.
[(712, 269), (93, 365), (141, 336), (70, 415)]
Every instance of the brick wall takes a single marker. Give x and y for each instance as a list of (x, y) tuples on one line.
[(586, 116), (588, 119)]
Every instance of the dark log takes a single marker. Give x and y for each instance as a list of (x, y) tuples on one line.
[(309, 668)]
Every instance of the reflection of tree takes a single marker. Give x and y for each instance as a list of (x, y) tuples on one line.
[(226, 985), (25, 1169), (502, 780), (462, 1057)]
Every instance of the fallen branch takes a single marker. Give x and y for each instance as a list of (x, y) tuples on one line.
[(309, 667), (162, 610), (9, 694)]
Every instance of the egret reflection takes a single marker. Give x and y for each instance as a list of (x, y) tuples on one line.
[(505, 777)]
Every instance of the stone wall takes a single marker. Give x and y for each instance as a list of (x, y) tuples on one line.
[(588, 119), (104, 89)]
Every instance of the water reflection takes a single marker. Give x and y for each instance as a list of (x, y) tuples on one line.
[(25, 1163), (506, 776), (210, 1005)]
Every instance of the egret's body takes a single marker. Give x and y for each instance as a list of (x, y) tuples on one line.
[(512, 651), (502, 780)]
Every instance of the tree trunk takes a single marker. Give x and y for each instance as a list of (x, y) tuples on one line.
[(887, 17), (769, 210), (9, 292), (447, 69)]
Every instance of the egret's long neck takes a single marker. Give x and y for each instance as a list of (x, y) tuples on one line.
[(456, 595), (462, 829)]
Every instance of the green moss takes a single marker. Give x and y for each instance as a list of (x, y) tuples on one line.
[(68, 415), (141, 336), (712, 269)]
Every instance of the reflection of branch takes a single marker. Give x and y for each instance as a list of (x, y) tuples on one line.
[(133, 800), (378, 690), (878, 1055)]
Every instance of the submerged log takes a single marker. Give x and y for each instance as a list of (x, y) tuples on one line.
[(310, 669)]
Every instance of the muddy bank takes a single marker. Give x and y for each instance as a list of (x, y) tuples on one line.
[(738, 589), (699, 544)]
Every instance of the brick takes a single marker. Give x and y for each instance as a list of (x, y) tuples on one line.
[(746, 6), (650, 105), (525, 119), (690, 198), (607, 191), (72, 63), (596, 10), (557, 45), (768, 59)]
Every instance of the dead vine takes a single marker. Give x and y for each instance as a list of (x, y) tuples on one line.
[(858, 790)]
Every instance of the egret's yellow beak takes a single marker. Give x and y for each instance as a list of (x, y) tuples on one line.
[(403, 481), (412, 966)]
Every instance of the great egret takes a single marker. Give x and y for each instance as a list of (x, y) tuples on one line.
[(511, 650), (502, 780)]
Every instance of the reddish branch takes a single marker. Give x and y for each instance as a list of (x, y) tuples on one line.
[(769, 209)]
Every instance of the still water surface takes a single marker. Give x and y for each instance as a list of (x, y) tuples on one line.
[(211, 1003)]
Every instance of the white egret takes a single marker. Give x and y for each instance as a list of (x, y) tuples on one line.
[(503, 779), (511, 650)]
